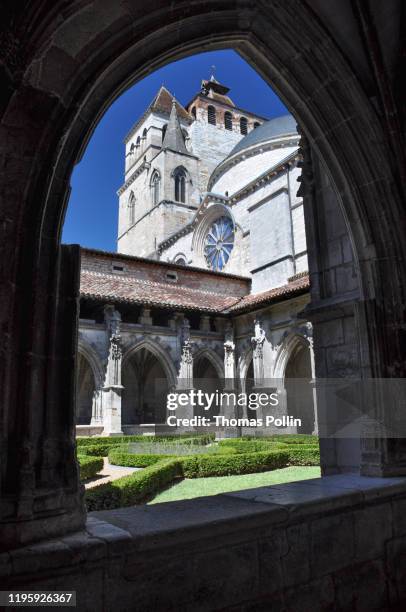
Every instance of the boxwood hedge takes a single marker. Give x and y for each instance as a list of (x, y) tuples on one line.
[(89, 466), (99, 446), (133, 489)]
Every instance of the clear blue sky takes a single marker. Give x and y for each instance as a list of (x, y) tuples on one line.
[(91, 218)]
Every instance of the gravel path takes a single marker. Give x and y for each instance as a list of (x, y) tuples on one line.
[(109, 473)]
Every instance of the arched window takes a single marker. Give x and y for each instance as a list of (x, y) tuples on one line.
[(138, 142), (243, 125), (256, 124), (194, 112), (144, 133), (132, 148), (228, 120), (131, 209), (155, 187), (164, 131), (180, 185), (211, 115)]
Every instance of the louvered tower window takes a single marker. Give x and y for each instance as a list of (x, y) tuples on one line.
[(228, 121), (243, 125), (211, 115)]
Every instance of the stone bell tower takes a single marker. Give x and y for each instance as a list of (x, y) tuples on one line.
[(160, 193)]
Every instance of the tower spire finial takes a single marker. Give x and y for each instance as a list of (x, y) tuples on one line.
[(213, 72)]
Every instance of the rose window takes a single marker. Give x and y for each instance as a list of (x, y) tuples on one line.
[(219, 243)]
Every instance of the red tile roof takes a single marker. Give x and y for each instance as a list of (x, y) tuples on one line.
[(110, 287), (252, 301), (132, 290)]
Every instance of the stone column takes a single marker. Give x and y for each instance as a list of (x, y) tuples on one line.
[(40, 491), (112, 389), (257, 342), (313, 383), (185, 372), (145, 317)]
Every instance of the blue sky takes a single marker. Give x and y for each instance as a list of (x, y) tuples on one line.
[(91, 218)]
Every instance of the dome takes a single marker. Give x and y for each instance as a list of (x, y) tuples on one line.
[(274, 128)]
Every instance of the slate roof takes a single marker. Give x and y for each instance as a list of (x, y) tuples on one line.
[(110, 287)]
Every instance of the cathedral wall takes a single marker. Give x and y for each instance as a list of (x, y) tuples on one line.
[(246, 170), (211, 143)]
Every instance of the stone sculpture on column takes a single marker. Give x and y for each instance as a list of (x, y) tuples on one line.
[(112, 389), (257, 342)]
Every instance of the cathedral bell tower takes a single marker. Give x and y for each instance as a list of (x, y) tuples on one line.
[(160, 193)]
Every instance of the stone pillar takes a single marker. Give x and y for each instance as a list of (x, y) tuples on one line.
[(112, 389), (97, 408), (229, 357), (204, 323), (229, 409), (145, 317), (185, 372), (313, 383), (40, 491), (257, 342)]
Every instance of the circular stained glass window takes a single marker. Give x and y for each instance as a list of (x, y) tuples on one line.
[(219, 243)]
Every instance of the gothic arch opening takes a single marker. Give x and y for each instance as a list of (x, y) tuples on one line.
[(145, 389), (299, 391), (207, 378), (43, 280), (85, 391)]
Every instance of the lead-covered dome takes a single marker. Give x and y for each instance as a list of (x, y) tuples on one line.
[(274, 128), (264, 148)]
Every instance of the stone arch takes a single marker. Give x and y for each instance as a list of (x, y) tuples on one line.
[(95, 409), (146, 378), (213, 357), (285, 351), (94, 360), (159, 353), (290, 47), (298, 393)]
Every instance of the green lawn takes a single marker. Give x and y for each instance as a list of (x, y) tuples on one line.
[(200, 487)]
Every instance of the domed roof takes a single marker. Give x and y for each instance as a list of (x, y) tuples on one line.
[(280, 126)]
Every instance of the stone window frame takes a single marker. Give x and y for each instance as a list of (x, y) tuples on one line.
[(131, 208), (155, 186), (180, 180)]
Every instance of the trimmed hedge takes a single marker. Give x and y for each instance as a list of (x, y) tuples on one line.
[(201, 466), (89, 466), (162, 470), (99, 446), (304, 455), (133, 489), (122, 457)]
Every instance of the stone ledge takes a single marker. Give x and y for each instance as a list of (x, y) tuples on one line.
[(178, 524)]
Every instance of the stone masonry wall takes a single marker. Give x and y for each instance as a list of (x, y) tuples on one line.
[(261, 549), (98, 261)]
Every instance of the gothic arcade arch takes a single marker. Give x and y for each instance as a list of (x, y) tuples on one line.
[(290, 47)]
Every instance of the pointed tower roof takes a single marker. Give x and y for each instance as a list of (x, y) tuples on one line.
[(162, 103), (174, 138)]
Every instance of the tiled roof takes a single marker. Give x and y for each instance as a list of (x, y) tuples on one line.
[(110, 287), (131, 290), (163, 102), (249, 302)]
